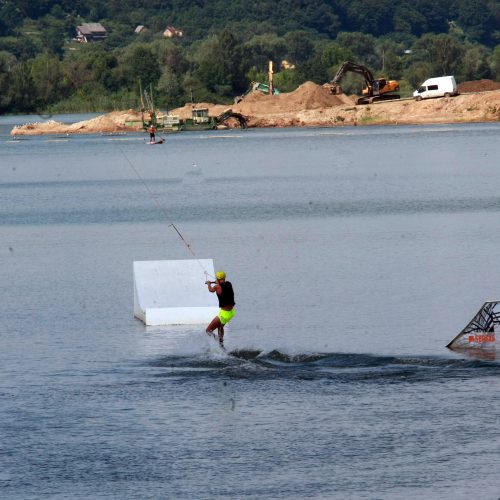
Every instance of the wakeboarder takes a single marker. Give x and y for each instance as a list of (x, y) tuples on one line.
[(225, 294)]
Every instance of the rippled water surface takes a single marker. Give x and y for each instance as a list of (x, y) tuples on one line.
[(356, 254)]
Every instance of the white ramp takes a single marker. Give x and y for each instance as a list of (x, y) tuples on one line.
[(173, 292)]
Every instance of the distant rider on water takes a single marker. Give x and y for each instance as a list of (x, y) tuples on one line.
[(152, 131), (225, 294)]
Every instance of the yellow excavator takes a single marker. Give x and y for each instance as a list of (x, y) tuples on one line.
[(376, 89)]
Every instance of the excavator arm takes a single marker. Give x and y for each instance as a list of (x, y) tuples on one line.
[(374, 90), (353, 68)]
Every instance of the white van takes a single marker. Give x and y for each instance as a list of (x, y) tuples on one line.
[(437, 87)]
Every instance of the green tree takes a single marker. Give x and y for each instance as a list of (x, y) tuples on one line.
[(103, 66), (222, 65), (300, 46), (21, 46), (478, 23), (286, 80), (92, 63), (436, 14), (77, 67), (264, 48), (209, 68), (495, 63), (442, 52), (21, 95), (475, 64), (194, 90), (322, 67), (233, 54), (169, 89), (322, 64), (7, 62), (391, 57), (119, 33), (10, 17), (371, 17), (332, 54), (362, 46), (168, 53), (47, 79), (417, 73), (54, 33), (139, 63), (408, 19)]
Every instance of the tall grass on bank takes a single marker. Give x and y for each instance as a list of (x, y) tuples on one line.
[(96, 103)]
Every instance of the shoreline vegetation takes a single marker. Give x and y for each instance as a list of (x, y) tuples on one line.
[(88, 56), (310, 105)]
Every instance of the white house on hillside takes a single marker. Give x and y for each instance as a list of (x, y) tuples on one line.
[(172, 32)]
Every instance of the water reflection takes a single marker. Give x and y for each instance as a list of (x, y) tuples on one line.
[(489, 353)]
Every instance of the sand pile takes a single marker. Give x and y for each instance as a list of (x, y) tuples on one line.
[(307, 96), (310, 96), (121, 117), (187, 110), (111, 122), (96, 125), (478, 86), (48, 127)]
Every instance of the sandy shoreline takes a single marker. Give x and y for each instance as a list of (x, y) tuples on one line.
[(310, 105)]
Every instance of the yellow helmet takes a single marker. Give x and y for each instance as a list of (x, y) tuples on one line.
[(220, 275)]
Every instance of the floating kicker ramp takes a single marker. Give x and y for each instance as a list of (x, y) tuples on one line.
[(480, 332), (173, 292)]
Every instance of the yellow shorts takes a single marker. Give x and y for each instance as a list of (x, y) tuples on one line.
[(226, 316)]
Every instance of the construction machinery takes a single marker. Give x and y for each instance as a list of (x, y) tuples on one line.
[(376, 89), (263, 88), (201, 120)]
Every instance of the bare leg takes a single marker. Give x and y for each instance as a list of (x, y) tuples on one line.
[(214, 324), (220, 329)]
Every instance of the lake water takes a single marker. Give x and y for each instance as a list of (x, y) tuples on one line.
[(356, 255)]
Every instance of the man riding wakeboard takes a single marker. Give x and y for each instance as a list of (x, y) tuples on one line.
[(225, 294)]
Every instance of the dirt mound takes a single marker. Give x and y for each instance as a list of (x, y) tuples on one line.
[(48, 127), (307, 96), (99, 124), (120, 117), (311, 96), (478, 86), (187, 110), (110, 122)]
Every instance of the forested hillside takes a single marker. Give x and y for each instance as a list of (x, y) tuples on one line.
[(226, 44)]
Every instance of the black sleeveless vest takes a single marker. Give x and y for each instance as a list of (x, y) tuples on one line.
[(226, 297)]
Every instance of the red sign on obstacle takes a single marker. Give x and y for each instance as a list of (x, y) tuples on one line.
[(482, 339)]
